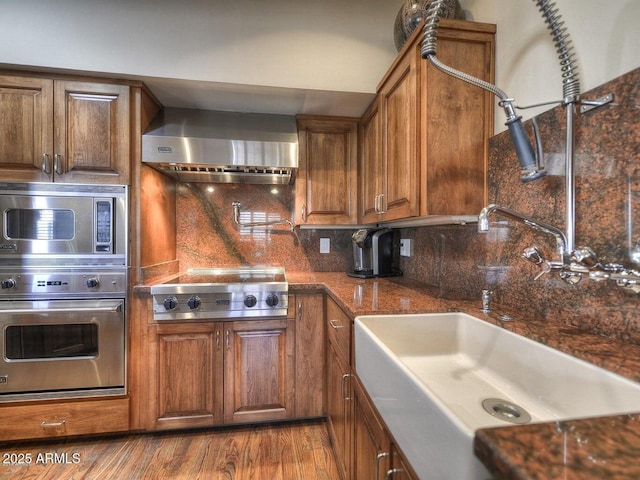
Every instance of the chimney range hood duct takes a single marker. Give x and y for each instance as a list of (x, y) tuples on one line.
[(222, 147)]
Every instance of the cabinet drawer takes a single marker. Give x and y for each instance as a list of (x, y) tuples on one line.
[(64, 418), (339, 330)]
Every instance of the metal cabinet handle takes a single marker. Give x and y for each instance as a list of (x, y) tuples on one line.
[(303, 213), (335, 324), (379, 457), (392, 472), (46, 164), (383, 207), (217, 339), (57, 164), (376, 203), (342, 389), (44, 424), (299, 310), (228, 339)]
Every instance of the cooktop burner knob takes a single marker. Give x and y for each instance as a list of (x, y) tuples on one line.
[(272, 300), (194, 302), (93, 283), (8, 283), (250, 301), (170, 303)]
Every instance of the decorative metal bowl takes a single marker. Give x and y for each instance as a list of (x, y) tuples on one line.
[(411, 14)]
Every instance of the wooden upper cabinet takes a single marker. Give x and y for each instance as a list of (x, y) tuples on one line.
[(91, 132), (400, 98), (326, 184), (26, 130), (64, 131), (370, 168), (458, 120), (431, 130)]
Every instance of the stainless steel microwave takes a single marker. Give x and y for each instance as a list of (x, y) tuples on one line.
[(63, 224)]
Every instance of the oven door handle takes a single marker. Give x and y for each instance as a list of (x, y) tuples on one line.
[(110, 309)]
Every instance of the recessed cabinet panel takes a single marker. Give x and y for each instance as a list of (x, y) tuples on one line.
[(91, 131), (326, 182), (189, 376), (26, 135), (456, 153), (258, 370)]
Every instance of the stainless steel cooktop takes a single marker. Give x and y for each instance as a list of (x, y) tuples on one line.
[(222, 293)]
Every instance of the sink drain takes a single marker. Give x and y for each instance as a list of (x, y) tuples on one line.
[(505, 410)]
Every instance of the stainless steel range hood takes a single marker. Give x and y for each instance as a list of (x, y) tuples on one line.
[(222, 147)]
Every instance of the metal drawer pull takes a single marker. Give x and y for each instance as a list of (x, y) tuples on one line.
[(392, 472), (217, 339), (335, 324), (44, 424), (379, 457), (342, 389)]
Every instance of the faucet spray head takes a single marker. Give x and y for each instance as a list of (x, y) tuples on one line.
[(526, 157)]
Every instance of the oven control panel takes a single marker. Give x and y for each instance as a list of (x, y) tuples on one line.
[(62, 284)]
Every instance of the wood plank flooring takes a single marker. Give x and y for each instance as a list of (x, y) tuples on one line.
[(265, 452)]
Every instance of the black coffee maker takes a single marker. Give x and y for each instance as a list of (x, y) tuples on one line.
[(375, 253)]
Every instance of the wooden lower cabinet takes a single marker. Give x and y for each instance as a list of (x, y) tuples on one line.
[(308, 309), (375, 455), (218, 373), (189, 386), (363, 447), (258, 364), (64, 418), (371, 444), (339, 409)]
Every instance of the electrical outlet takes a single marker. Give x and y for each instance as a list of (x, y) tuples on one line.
[(325, 245), (406, 247)]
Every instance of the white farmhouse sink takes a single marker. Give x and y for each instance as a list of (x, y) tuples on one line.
[(429, 374)]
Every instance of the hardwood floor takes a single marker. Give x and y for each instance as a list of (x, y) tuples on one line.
[(265, 452)]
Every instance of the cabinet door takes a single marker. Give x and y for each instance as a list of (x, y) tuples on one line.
[(26, 130), (189, 375), (371, 444), (91, 132), (309, 319), (457, 123), (338, 409), (370, 167), (259, 374), (400, 127), (326, 186)]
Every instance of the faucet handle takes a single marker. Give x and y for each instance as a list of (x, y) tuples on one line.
[(486, 300), (534, 255), (545, 267)]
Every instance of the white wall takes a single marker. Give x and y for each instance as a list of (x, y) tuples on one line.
[(337, 45), (324, 44), (605, 35)]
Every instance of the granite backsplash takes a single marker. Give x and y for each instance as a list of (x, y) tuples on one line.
[(456, 258)]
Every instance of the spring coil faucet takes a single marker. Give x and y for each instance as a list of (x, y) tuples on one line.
[(530, 169)]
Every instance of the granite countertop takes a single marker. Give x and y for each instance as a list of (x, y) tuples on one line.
[(606, 447)]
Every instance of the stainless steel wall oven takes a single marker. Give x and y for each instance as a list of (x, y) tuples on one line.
[(63, 284)]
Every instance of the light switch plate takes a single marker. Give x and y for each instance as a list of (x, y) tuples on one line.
[(406, 247), (325, 245)]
